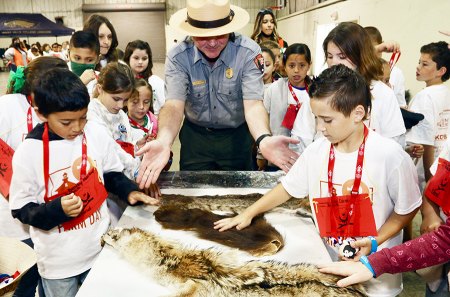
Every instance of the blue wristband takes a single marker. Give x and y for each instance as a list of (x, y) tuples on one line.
[(366, 263), (374, 247)]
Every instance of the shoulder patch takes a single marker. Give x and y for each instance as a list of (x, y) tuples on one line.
[(259, 62)]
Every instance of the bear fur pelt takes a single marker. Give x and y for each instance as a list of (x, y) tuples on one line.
[(211, 273), (259, 239)]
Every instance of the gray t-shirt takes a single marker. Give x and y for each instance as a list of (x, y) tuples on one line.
[(214, 94)]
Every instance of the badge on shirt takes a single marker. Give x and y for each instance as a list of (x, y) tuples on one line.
[(259, 62), (229, 73)]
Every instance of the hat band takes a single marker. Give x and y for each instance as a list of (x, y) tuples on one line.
[(210, 24)]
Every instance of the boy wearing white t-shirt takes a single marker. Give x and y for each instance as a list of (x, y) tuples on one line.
[(361, 171), (62, 172), (434, 103)]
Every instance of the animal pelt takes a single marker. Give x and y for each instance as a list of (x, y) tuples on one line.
[(259, 239), (233, 203), (211, 273)]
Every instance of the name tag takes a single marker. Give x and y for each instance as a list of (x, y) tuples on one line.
[(198, 82)]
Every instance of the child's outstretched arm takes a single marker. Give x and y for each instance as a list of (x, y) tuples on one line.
[(392, 226), (117, 183), (275, 197), (429, 248)]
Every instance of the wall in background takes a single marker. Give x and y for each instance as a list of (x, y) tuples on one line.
[(412, 23)]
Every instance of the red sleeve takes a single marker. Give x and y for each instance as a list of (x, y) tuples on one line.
[(427, 250)]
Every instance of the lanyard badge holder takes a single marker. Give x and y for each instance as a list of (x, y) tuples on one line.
[(342, 217)]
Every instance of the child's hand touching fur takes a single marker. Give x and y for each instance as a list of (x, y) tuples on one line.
[(136, 196)]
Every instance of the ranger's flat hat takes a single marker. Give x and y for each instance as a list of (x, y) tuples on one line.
[(205, 18)]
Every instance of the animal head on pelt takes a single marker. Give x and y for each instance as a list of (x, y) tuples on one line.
[(259, 239), (208, 272)]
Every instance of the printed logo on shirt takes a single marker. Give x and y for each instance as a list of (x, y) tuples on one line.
[(123, 132), (345, 189), (259, 62)]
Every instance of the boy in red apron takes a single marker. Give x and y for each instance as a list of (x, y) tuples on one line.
[(62, 173), (360, 184)]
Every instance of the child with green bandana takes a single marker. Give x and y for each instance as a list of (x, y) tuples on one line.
[(84, 51)]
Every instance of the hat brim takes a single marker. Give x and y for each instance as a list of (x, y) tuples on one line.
[(178, 22)]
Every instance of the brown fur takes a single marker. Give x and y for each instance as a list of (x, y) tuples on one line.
[(259, 239), (210, 273), (233, 203)]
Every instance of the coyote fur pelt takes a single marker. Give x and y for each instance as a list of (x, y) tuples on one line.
[(211, 273), (233, 203), (259, 239)]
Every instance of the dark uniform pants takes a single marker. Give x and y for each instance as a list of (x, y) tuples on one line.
[(215, 149)]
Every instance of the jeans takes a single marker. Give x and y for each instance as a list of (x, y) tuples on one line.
[(65, 287)]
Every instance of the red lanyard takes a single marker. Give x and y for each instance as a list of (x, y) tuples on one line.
[(358, 170), (45, 141), (394, 58), (137, 125), (293, 93), (29, 115)]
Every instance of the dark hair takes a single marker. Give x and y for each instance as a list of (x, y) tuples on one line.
[(298, 49), (116, 78), (144, 83), (440, 54), (59, 90), (346, 87), (269, 51), (85, 39), (142, 45), (256, 35), (14, 44), (44, 46), (374, 34), (355, 44), (93, 23), (35, 69)]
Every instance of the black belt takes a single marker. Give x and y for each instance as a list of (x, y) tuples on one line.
[(208, 129)]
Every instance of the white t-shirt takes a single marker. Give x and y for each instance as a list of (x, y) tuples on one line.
[(63, 254), (159, 97), (119, 128), (138, 133), (388, 176), (277, 98), (434, 103), (13, 130), (385, 118), (397, 81)]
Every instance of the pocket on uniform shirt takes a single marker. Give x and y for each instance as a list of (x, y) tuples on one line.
[(197, 99), (230, 93)]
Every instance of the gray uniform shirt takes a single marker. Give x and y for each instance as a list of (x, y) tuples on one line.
[(214, 94)]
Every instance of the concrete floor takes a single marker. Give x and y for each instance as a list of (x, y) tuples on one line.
[(413, 284)]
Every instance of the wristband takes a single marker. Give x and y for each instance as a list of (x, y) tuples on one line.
[(260, 138), (366, 263), (374, 242)]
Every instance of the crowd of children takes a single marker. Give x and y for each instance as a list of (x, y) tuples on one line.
[(85, 110)]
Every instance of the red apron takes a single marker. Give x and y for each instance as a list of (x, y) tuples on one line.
[(6, 155), (438, 187), (90, 188), (292, 110), (348, 215)]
